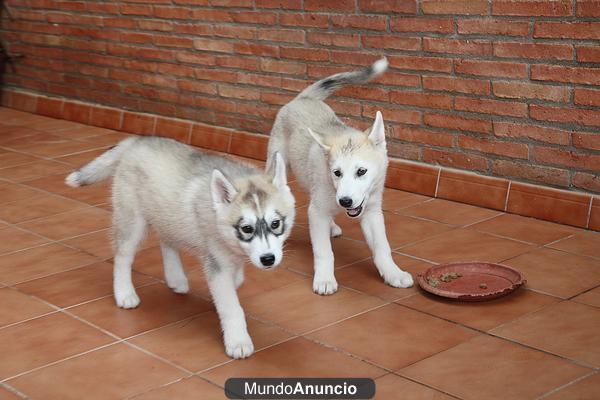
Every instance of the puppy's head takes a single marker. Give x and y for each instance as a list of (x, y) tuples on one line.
[(357, 164), (255, 214)]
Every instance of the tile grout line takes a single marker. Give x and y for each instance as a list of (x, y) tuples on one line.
[(13, 390), (545, 395), (507, 195), (589, 213)]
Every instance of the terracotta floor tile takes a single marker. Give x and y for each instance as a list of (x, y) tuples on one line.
[(124, 371), (96, 243), (7, 394), (93, 194), (556, 272), (39, 206), (11, 132), (10, 159), (50, 124), (484, 315), (159, 306), (591, 297), (449, 212), (17, 306), (585, 389), (197, 344), (364, 277), (69, 224), (40, 261), (80, 159), (489, 368), (43, 340), (185, 389), (57, 148), (298, 309), (584, 243), (526, 229), (394, 200), (391, 386), (295, 358), (109, 138), (37, 169), (569, 329), (300, 195), (149, 261), (466, 245), (397, 336), (78, 131), (301, 217), (12, 239), (400, 229), (76, 286), (13, 192)]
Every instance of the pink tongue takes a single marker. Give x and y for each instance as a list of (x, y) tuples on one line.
[(354, 211)]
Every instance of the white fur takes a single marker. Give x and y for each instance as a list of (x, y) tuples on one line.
[(380, 66)]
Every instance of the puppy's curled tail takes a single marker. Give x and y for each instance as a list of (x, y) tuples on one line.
[(322, 89), (101, 167)]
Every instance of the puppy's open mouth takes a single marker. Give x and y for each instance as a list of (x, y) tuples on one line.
[(355, 212)]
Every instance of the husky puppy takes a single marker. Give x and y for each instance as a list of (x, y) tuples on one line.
[(220, 210), (342, 168)]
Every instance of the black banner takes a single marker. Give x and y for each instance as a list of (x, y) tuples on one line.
[(300, 388)]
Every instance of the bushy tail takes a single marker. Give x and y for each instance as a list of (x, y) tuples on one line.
[(99, 168), (322, 89)]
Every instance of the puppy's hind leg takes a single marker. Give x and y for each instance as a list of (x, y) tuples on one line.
[(129, 229), (174, 272)]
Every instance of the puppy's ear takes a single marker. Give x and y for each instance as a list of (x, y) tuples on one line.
[(221, 189), (279, 171), (377, 131), (320, 139)]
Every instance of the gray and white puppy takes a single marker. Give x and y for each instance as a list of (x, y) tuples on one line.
[(342, 168), (222, 211)]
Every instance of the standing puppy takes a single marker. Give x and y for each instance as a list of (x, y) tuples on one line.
[(222, 211), (342, 168)]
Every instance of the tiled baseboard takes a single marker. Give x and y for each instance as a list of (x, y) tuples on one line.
[(561, 206)]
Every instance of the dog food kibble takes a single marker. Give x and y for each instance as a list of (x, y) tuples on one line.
[(483, 286), (449, 276), (433, 282)]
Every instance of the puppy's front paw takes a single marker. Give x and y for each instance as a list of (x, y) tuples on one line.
[(324, 286), (128, 299), (179, 285), (239, 347), (398, 278)]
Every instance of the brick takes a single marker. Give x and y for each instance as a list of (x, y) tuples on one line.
[(347, 108), (172, 41), (353, 57), (424, 136), (232, 3), (175, 129), (305, 20), (172, 12), (454, 84), (135, 9), (533, 8), (110, 118), (487, 106), (376, 23), (367, 93), (557, 73), (460, 7), (588, 54), (260, 80), (333, 39), (280, 4), (198, 87), (78, 112), (518, 90), (589, 141), (235, 32), (457, 46), (405, 151), (505, 149), (494, 69), (524, 171), (196, 58), (421, 63), (213, 45), (278, 99), (454, 159), (256, 49), (400, 79), (540, 51), (238, 92), (391, 42), (419, 99), (565, 115), (450, 121), (151, 25), (337, 6), (254, 17), (587, 97), (281, 35), (518, 131), (135, 37), (303, 53), (571, 159), (412, 117), (388, 6), (248, 63), (586, 181), (489, 26), (49, 107), (283, 67), (567, 30), (588, 8), (140, 124), (410, 24)]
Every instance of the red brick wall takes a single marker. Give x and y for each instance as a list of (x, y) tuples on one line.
[(509, 88)]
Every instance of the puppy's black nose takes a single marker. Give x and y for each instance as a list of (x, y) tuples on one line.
[(345, 202), (267, 259)]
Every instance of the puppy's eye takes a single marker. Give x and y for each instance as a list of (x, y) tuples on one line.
[(361, 171), (275, 224), (247, 229), (337, 173)]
